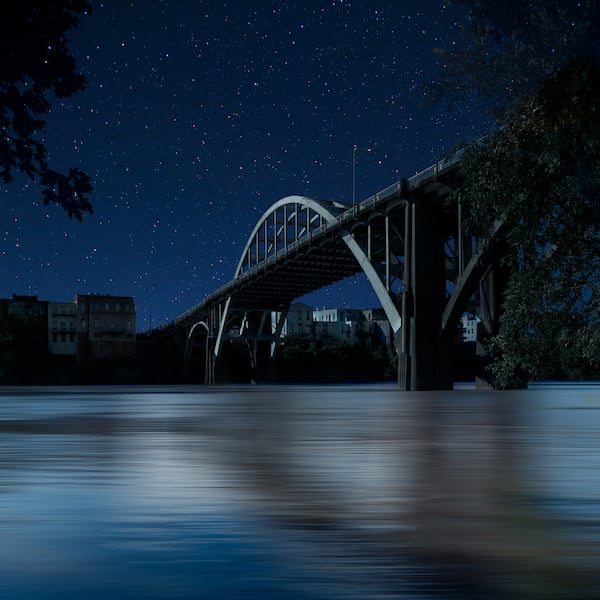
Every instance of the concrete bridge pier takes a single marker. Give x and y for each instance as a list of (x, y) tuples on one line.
[(210, 360), (423, 361), (262, 363), (262, 333)]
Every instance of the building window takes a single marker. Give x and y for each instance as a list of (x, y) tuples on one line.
[(106, 306), (55, 337), (112, 324), (83, 323), (128, 324), (71, 337), (83, 307), (117, 306), (96, 324)]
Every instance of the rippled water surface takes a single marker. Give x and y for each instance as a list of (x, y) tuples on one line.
[(299, 492)]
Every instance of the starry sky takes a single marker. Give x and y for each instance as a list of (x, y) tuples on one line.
[(200, 114)]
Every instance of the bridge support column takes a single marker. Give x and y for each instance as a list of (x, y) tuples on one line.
[(210, 360), (261, 336), (423, 363), (262, 362), (214, 340)]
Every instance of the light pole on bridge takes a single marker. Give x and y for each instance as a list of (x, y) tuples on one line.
[(355, 154)]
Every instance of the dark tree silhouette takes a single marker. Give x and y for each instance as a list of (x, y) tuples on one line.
[(35, 65), (537, 62), (508, 49)]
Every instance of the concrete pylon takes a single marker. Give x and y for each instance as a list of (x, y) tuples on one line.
[(209, 363), (421, 358)]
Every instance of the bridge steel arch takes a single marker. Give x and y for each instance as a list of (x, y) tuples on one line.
[(190, 342)]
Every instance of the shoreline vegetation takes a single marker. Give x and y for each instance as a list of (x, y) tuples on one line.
[(298, 360)]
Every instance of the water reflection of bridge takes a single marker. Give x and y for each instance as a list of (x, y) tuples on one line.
[(409, 240)]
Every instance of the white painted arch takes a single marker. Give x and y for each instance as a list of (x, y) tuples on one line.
[(329, 211)]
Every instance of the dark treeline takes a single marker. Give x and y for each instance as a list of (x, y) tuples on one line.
[(322, 360), (25, 360)]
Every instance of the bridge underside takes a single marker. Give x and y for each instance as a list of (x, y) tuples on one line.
[(290, 277)]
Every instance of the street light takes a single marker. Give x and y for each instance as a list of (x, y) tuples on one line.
[(354, 155)]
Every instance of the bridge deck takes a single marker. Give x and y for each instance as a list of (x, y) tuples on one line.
[(321, 257)]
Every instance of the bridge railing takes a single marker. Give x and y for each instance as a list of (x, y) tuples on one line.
[(414, 181)]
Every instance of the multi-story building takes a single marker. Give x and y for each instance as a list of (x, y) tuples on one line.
[(28, 311), (468, 323), (27, 306), (62, 328), (299, 320), (90, 327), (377, 324), (342, 324), (105, 326), (347, 325), (337, 323)]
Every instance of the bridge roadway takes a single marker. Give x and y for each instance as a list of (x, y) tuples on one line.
[(408, 240)]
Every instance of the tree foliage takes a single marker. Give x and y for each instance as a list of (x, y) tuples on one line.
[(508, 49), (304, 359), (540, 174), (36, 65)]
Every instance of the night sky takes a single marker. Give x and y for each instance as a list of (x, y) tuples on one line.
[(198, 115)]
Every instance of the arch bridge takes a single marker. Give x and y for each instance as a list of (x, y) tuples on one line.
[(407, 239)]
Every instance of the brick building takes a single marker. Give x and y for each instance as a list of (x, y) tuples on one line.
[(105, 326)]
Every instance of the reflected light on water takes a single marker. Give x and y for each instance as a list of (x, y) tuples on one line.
[(299, 492)]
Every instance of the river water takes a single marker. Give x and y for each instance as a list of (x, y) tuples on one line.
[(299, 492)]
